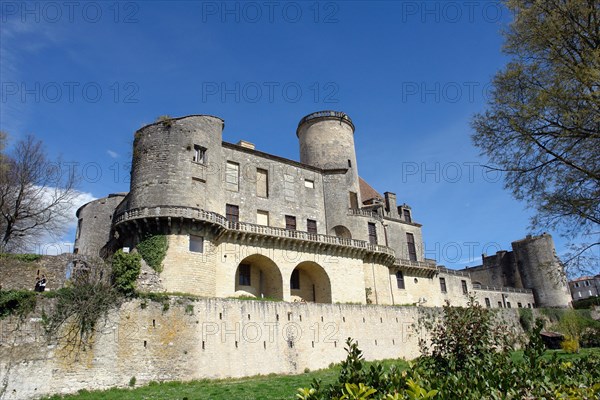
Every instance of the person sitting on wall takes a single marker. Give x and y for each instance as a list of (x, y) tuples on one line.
[(43, 283), (37, 284)]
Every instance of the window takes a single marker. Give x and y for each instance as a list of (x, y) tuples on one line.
[(400, 280), (406, 213), (290, 222), (443, 285), (499, 304), (196, 244), (349, 164), (412, 250), (232, 176), (311, 226), (464, 287), (519, 305), (244, 271), (295, 280), (372, 233), (587, 283), (262, 217), (590, 293), (199, 154), (353, 201), (262, 182), (508, 304), (309, 183), (487, 303), (528, 305), (576, 284), (232, 213)]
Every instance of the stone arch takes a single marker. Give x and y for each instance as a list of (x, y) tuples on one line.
[(341, 231), (309, 282), (258, 276)]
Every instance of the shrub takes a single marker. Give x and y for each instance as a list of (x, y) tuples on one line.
[(570, 345), (16, 302), (153, 250), (126, 268)]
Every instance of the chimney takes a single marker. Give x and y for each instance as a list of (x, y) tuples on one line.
[(390, 204), (246, 144)]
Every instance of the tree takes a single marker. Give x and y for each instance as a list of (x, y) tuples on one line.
[(36, 195), (542, 123)]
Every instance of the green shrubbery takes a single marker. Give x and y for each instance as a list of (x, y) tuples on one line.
[(16, 302), (468, 357), (126, 268), (153, 250), (21, 257)]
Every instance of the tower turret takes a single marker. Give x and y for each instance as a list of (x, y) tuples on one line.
[(327, 142), (541, 270)]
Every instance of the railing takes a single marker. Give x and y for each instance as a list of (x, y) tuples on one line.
[(199, 214), (448, 271), (430, 264), (328, 113), (501, 289), (363, 213)]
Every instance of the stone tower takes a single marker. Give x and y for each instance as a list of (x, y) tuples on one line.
[(541, 270), (176, 162), (327, 142)]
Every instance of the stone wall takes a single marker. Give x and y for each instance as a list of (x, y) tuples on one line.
[(15, 274), (212, 338)]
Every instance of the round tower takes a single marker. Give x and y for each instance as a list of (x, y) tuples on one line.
[(542, 271), (327, 142), (94, 223), (176, 162)]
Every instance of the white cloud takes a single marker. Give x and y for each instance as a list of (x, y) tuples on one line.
[(113, 154), (48, 245)]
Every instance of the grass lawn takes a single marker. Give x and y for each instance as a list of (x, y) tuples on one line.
[(268, 387)]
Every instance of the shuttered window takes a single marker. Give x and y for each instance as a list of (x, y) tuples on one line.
[(262, 182), (232, 176), (412, 250), (290, 222), (372, 233)]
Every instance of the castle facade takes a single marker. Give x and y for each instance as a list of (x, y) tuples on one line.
[(241, 222)]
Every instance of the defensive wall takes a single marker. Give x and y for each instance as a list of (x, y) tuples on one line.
[(196, 339)]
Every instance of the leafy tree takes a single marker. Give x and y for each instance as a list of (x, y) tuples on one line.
[(542, 124), (36, 195)]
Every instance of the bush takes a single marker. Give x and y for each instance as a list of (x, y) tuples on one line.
[(153, 250), (570, 345), (16, 302), (21, 257), (126, 268)]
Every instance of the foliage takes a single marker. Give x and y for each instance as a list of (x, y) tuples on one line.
[(79, 307), (570, 345), (126, 268), (586, 303), (542, 123), (16, 302), (153, 250), (36, 195), (466, 359), (526, 319), (22, 257), (165, 120)]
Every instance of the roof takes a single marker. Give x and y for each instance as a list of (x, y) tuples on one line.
[(366, 191)]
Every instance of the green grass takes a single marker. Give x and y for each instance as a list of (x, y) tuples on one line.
[(270, 387)]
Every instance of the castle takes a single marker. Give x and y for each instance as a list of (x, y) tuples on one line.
[(241, 222)]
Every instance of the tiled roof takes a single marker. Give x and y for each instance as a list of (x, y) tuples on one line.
[(367, 192)]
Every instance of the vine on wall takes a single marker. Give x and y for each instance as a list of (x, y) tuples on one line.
[(153, 250)]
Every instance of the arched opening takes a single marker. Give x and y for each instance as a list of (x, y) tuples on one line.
[(309, 282), (341, 231), (258, 276)]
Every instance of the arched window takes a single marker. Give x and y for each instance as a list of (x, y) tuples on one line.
[(400, 280)]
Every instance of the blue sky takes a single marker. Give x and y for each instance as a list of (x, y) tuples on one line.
[(410, 74)]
